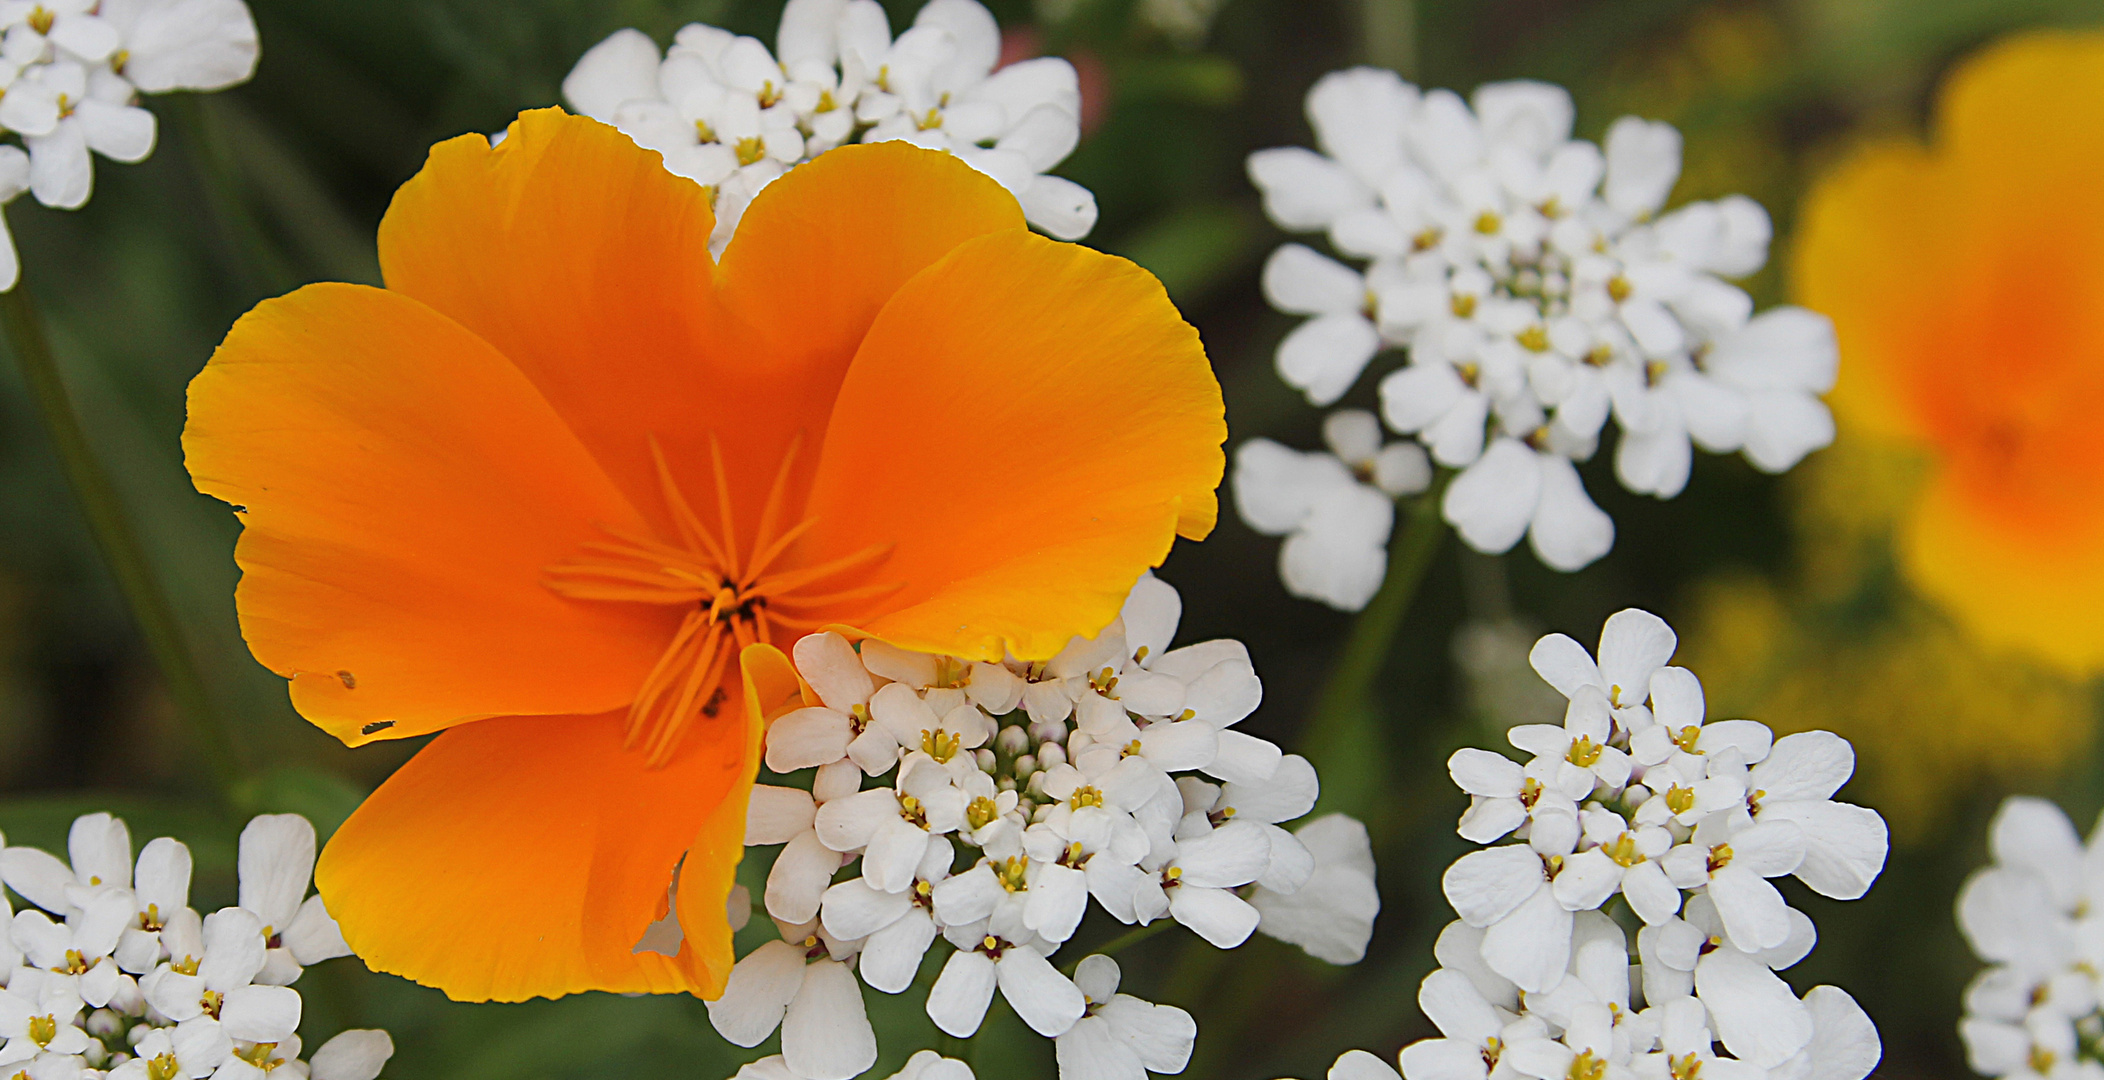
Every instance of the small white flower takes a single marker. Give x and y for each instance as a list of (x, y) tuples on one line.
[(813, 998), (1046, 1000), (1120, 1037)]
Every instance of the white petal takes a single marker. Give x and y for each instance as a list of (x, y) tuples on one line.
[(891, 957), (958, 1001), (807, 738), (1360, 1065), (1457, 1008), (1229, 856), (1755, 1014), (1753, 912), (1783, 426), (799, 879), (314, 936), (276, 863), (758, 992), (825, 1033), (61, 175), (1323, 356), (1634, 644), (1643, 161), (234, 948), (624, 67), (1844, 1042), (1299, 281), (1218, 916), (358, 1054), (118, 132), (260, 1013), (1089, 1049), (854, 909), (1304, 191), (1486, 886), (1062, 208), (1845, 845), (192, 45), (1531, 946), (1493, 501), (1046, 1000), (1272, 485), (777, 815), (1568, 532)]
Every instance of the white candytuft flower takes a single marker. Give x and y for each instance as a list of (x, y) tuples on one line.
[(1008, 797), (732, 116), (2032, 915), (1534, 290), (71, 72), (1636, 795), (112, 973), (1335, 509)]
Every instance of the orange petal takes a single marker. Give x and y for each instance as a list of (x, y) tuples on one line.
[(524, 857), (2014, 586), (1031, 424), (772, 686), (404, 487), (576, 254)]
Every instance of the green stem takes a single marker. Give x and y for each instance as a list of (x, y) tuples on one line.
[(1388, 35), (1343, 732), (1123, 941), (217, 168), (116, 539)]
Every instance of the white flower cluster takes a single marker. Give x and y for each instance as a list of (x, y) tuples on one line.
[(111, 973), (730, 115), (1537, 293), (2034, 915), (1014, 793), (71, 72), (1636, 796)]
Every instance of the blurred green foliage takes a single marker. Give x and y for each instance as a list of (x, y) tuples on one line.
[(283, 181)]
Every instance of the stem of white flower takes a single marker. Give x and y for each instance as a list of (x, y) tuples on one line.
[(1388, 35), (1344, 731), (118, 542), (217, 168), (1122, 942)]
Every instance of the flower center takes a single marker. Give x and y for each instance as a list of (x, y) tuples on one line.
[(1719, 857), (1588, 1066), (1680, 800), (734, 597), (41, 18), (259, 1055), (1584, 752), (1011, 872), (164, 1067), (43, 1029), (751, 149), (981, 812), (1685, 1067), (1623, 851)]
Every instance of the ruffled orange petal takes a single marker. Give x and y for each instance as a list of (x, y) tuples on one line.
[(573, 252), (1031, 424), (402, 487), (524, 857)]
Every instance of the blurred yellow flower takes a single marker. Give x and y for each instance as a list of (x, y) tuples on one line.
[(1837, 648), (1964, 282)]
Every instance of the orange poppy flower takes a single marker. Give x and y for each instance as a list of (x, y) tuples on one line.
[(1964, 283), (550, 490)]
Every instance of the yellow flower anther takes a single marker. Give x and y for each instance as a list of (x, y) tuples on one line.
[(1012, 871), (41, 18), (858, 718), (981, 812), (1619, 288), (186, 966), (1623, 851), (1131, 748), (1188, 714), (43, 1029), (922, 889), (1488, 223), (1173, 874), (75, 964), (1426, 240), (259, 1055), (1533, 339), (1464, 305), (1530, 792), (1584, 752), (704, 132), (769, 94), (1493, 1048), (751, 149), (1599, 355), (1685, 1067), (941, 745), (2042, 1060), (1085, 796), (164, 1067), (1680, 800), (826, 102), (1719, 857), (1587, 1066), (211, 1001), (1656, 371), (150, 919), (930, 121), (1688, 737)]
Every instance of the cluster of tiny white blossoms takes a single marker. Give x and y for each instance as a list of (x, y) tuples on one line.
[(1012, 794), (730, 115), (1636, 796), (1537, 292), (2035, 916), (71, 72), (110, 973)]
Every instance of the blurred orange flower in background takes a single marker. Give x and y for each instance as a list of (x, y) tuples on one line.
[(548, 490), (1964, 281)]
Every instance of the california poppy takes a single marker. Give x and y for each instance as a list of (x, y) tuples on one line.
[(1964, 286), (553, 487)]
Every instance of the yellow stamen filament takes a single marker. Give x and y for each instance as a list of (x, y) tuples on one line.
[(1623, 851), (941, 745), (1619, 288), (1587, 1066), (1584, 752), (1687, 737), (1719, 857), (1085, 796), (1685, 1067), (981, 812), (164, 1067), (1533, 339), (1464, 305), (43, 1029), (751, 149), (41, 18), (1680, 800), (1488, 223), (732, 601), (1011, 872)]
